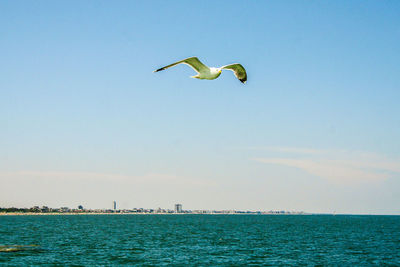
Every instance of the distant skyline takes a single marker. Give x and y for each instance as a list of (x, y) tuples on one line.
[(85, 121)]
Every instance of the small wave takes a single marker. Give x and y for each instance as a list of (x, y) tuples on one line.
[(15, 248)]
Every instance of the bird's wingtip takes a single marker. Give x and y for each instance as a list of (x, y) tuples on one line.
[(160, 69), (243, 80)]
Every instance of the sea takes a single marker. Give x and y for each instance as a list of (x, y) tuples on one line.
[(199, 240)]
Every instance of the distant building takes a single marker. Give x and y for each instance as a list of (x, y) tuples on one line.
[(115, 205), (64, 209), (178, 208)]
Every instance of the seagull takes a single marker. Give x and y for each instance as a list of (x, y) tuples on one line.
[(204, 72)]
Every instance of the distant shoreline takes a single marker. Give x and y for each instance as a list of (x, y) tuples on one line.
[(144, 213), (133, 213)]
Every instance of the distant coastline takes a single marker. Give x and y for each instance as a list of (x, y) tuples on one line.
[(45, 210), (136, 213)]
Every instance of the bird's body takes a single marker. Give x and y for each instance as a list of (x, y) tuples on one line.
[(206, 73), (211, 74)]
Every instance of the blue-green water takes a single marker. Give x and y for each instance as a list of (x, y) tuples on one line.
[(199, 240)]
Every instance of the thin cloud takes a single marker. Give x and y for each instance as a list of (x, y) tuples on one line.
[(295, 150), (338, 165), (150, 178)]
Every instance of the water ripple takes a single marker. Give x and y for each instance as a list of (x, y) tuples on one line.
[(200, 240)]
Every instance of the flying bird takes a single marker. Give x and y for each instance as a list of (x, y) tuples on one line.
[(204, 72)]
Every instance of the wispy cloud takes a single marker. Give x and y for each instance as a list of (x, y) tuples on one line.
[(298, 150), (150, 178), (336, 165)]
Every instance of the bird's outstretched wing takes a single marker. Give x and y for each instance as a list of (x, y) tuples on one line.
[(193, 62), (239, 71)]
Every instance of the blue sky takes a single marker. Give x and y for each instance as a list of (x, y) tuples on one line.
[(84, 120)]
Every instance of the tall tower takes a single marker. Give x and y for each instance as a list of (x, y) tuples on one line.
[(178, 208), (115, 205)]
